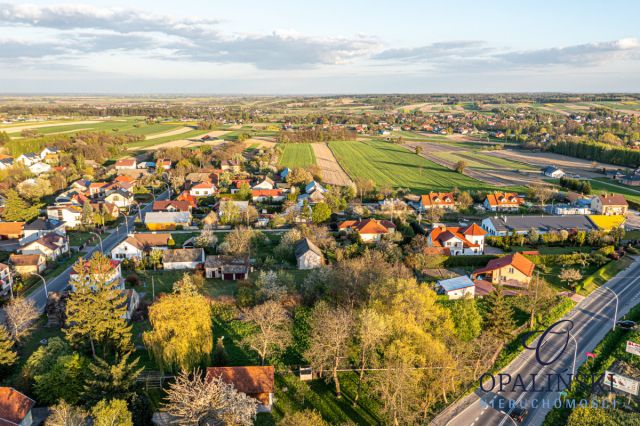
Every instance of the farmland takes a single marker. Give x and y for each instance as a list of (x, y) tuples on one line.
[(392, 165), (297, 155)]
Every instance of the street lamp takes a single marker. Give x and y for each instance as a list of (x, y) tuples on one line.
[(46, 291), (100, 238), (575, 353), (615, 316)]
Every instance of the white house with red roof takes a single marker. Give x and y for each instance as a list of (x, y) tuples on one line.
[(126, 164), (369, 230), (442, 200), (203, 189), (503, 201), (457, 240)]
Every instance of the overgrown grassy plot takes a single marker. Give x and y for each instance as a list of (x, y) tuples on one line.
[(391, 165), (297, 155)]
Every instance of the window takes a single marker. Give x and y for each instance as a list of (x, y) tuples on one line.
[(511, 270)]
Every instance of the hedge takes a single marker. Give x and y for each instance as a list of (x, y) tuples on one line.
[(481, 260)]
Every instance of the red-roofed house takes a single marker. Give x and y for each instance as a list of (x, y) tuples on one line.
[(260, 195), (15, 408), (256, 382), (171, 206), (164, 164), (203, 189), (609, 204), (442, 200), (98, 188), (126, 164), (369, 230), (458, 240), (111, 273), (503, 201), (185, 196), (512, 270)]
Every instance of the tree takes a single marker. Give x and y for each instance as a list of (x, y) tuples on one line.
[(63, 381), (190, 284), (461, 166), (21, 317), (198, 401), (8, 356), (272, 329), (18, 210), (418, 149), (539, 295), (364, 186), (111, 380), (244, 192), (465, 200), (331, 331), (570, 276), (111, 413), (181, 335), (303, 418), (270, 286), (371, 330), (467, 319), (499, 317), (64, 414), (155, 256), (321, 213), (299, 176), (238, 241), (207, 238), (87, 218), (542, 193), (96, 308)]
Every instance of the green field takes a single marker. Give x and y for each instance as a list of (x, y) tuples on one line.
[(392, 165), (157, 141), (134, 126), (297, 155), (478, 160), (606, 185)]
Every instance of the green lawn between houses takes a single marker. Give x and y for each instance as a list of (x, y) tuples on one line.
[(297, 155), (392, 165)]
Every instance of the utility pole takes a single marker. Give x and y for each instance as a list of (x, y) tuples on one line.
[(153, 288)]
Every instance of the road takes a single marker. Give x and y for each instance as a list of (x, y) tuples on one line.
[(109, 241), (592, 318)]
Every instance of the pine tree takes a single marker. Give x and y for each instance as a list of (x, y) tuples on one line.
[(112, 381), (97, 306), (17, 209), (500, 316), (7, 355)]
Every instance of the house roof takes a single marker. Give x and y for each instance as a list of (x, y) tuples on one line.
[(250, 380), (542, 223), (183, 255), (612, 200), (51, 240), (474, 230), (266, 192), (516, 260), (456, 283), (167, 217), (147, 241), (14, 406), (436, 199), (504, 198), (126, 162), (11, 228), (124, 178), (439, 235), (179, 205), (228, 264), (43, 225), (203, 185), (368, 226), (25, 259), (305, 245)]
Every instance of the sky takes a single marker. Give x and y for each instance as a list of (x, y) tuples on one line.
[(283, 47)]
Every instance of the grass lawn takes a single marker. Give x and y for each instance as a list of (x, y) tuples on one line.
[(157, 141), (181, 237), (601, 185), (392, 165), (163, 283), (603, 275), (130, 125), (77, 238), (297, 155)]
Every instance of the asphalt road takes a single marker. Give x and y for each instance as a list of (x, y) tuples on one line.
[(592, 318), (109, 241)]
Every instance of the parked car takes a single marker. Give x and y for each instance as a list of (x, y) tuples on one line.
[(627, 325), (519, 414)]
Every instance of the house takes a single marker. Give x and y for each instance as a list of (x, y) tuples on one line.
[(185, 196), (308, 255), (50, 155), (97, 189), (6, 279), (513, 270), (261, 195), (553, 172), (51, 246), (284, 173), (70, 215), (230, 165), (227, 267), (506, 225), (27, 264), (160, 221), (171, 206), (111, 274), (314, 186), (503, 201), (313, 198), (467, 240), (81, 185), (456, 288), (163, 164), (6, 163), (609, 204), (41, 227), (28, 159), (266, 183), (256, 382), (189, 258), (442, 200), (369, 230), (15, 408), (203, 189), (39, 168), (136, 246), (11, 230), (120, 198), (126, 164)]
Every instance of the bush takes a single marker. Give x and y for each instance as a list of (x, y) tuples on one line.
[(455, 261)]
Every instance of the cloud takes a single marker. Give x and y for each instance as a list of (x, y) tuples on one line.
[(435, 51), (102, 29), (16, 49)]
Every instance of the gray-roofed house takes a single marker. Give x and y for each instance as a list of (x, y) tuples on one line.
[(159, 221), (553, 172), (227, 267), (506, 225), (456, 288), (183, 258), (308, 255), (41, 227)]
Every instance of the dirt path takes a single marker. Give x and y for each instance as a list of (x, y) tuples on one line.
[(37, 126), (332, 172), (173, 132)]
